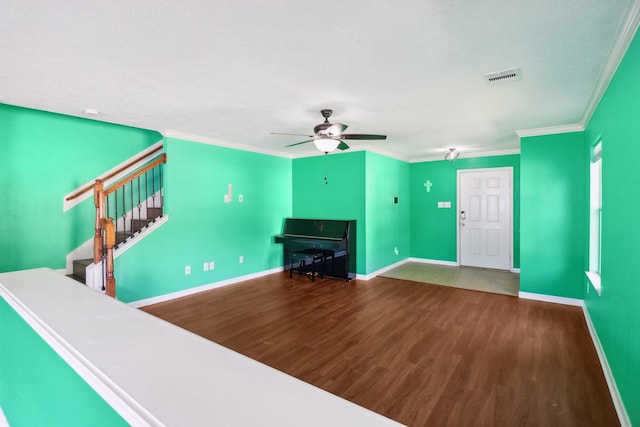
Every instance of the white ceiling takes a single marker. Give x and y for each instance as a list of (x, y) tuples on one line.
[(232, 71)]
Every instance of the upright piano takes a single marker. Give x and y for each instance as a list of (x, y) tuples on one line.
[(338, 236)]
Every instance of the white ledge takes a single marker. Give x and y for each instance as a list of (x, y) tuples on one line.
[(138, 363), (594, 279)]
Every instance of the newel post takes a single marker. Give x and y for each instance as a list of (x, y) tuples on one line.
[(110, 242), (98, 201)]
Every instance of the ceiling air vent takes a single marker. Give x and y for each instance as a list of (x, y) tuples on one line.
[(511, 75)]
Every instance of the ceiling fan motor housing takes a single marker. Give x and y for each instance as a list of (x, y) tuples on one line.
[(319, 129)]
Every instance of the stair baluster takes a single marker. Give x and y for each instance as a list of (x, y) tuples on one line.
[(98, 200)]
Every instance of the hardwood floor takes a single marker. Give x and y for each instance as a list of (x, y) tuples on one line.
[(421, 354)]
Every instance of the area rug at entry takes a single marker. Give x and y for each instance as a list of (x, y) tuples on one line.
[(477, 279)]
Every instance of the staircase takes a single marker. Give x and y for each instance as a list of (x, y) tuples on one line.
[(124, 211), (137, 225)]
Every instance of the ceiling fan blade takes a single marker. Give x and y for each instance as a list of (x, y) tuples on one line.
[(335, 129), (342, 146), (293, 134), (361, 136), (298, 143)]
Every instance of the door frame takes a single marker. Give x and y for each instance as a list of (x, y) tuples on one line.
[(508, 169)]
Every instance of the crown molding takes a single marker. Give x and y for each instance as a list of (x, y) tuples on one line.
[(380, 151), (623, 39), (464, 155), (576, 127), (368, 148), (168, 133)]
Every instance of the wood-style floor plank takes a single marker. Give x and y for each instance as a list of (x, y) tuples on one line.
[(421, 354)]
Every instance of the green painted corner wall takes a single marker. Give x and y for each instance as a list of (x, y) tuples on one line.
[(43, 157), (616, 313), (387, 223), (434, 230), (38, 388), (554, 216), (342, 196), (202, 227)]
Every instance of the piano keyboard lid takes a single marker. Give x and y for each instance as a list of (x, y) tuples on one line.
[(316, 228)]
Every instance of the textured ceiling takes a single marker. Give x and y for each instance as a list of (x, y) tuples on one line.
[(233, 71)]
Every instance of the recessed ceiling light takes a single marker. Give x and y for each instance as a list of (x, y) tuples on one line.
[(91, 112)]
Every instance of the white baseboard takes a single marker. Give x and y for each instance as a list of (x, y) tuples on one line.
[(202, 288), (551, 298), (141, 235), (515, 270), (435, 261), (623, 417), (370, 276), (404, 261)]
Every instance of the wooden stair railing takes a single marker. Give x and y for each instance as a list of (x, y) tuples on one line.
[(106, 236), (112, 174)]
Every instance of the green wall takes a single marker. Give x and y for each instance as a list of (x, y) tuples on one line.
[(341, 197), (38, 388), (360, 185), (616, 313), (203, 228), (554, 214), (434, 230), (43, 157), (387, 224)]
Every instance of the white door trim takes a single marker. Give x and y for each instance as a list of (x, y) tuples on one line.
[(508, 169)]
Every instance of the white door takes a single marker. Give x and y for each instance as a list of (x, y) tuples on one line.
[(484, 217)]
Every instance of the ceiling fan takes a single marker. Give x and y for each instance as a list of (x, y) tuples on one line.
[(328, 136)]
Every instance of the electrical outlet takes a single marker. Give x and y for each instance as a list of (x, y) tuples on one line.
[(241, 259), (395, 250), (187, 270), (212, 265), (206, 266)]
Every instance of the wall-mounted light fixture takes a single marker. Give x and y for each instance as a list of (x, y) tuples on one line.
[(451, 155), (92, 112)]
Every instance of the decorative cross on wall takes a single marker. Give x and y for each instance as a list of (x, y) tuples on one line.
[(428, 185)]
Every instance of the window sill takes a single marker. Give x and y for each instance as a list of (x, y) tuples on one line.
[(594, 279)]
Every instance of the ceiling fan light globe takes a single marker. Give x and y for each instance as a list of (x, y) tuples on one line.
[(326, 145)]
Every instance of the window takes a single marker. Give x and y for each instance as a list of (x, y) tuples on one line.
[(595, 214)]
